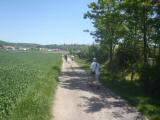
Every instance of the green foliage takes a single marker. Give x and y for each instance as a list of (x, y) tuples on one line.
[(92, 51), (132, 26), (83, 63), (132, 91), (151, 79), (84, 52), (26, 79), (126, 57)]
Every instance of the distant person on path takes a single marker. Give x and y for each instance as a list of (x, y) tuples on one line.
[(95, 67), (65, 57)]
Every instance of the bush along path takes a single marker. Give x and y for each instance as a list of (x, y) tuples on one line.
[(76, 100)]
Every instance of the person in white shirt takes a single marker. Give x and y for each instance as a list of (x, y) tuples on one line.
[(72, 58), (95, 71)]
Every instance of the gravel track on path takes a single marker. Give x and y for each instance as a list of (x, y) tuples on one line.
[(76, 100)]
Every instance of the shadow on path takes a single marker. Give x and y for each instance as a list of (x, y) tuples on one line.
[(101, 99)]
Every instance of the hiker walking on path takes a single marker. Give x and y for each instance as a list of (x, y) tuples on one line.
[(95, 67), (66, 57), (72, 58)]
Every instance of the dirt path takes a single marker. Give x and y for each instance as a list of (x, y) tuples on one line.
[(75, 100)]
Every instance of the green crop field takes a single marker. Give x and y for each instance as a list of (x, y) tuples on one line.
[(27, 84)]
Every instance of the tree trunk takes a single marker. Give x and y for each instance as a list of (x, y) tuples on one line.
[(144, 36), (111, 52), (159, 50), (154, 52), (132, 72)]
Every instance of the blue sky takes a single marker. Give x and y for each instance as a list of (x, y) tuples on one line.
[(44, 21)]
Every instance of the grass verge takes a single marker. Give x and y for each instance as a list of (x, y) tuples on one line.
[(83, 63)]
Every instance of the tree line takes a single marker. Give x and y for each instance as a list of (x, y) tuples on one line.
[(128, 37)]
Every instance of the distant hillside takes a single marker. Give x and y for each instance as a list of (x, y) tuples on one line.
[(64, 46), (52, 46), (4, 43), (28, 45)]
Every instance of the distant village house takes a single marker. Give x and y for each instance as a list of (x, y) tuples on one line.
[(8, 47)]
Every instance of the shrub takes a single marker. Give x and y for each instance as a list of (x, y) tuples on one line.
[(126, 57), (150, 79)]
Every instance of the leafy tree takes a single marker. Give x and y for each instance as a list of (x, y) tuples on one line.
[(128, 31), (104, 16)]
